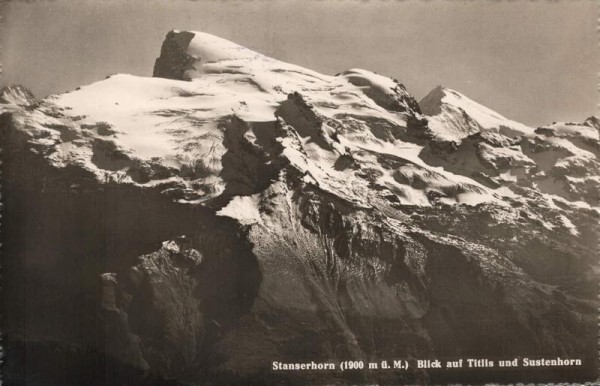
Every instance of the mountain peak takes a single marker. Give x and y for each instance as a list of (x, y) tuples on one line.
[(211, 48), (453, 116), (431, 103), (593, 121), (183, 53), (16, 95)]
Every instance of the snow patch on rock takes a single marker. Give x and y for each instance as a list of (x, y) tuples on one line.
[(243, 208)]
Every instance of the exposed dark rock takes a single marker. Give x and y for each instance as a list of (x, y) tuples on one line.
[(174, 61)]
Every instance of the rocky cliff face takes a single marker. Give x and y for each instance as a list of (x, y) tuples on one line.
[(236, 210)]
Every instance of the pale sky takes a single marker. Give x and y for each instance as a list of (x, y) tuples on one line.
[(532, 61)]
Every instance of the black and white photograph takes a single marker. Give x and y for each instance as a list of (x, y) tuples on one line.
[(292, 192)]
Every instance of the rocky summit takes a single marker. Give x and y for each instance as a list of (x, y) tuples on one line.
[(234, 211)]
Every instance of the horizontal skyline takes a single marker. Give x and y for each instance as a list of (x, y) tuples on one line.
[(535, 62)]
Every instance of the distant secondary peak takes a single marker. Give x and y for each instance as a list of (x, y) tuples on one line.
[(452, 116), (16, 95), (593, 121), (432, 103)]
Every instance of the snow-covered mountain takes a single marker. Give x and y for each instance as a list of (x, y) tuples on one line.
[(454, 117), (234, 206)]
